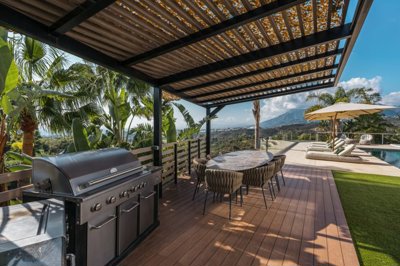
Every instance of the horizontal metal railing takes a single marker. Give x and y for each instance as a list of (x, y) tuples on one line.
[(379, 138)]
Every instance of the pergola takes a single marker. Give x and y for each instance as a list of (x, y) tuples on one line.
[(210, 52)]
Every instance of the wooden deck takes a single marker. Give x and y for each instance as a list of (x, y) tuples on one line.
[(305, 225)]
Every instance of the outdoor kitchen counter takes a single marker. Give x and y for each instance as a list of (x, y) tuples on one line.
[(240, 160)]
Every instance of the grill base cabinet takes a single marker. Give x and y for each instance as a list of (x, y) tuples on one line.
[(128, 226), (103, 224)]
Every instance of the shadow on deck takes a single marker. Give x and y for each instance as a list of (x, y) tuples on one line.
[(304, 225)]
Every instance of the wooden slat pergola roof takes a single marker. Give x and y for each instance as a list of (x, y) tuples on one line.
[(210, 52)]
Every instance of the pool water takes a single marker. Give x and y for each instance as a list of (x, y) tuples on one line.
[(391, 157)]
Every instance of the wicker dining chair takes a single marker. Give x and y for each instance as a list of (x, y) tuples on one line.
[(223, 182), (277, 163), (281, 160), (198, 172), (258, 177)]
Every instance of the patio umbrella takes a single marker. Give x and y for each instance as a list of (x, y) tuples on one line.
[(345, 111)]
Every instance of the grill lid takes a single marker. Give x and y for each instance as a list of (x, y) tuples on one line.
[(81, 172)]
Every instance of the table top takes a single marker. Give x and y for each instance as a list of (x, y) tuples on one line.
[(240, 160)]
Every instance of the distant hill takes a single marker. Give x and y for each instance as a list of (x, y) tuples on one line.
[(392, 113), (291, 117)]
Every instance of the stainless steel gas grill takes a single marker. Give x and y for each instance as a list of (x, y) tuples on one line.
[(111, 201)]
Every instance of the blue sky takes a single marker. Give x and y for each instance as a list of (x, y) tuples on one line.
[(374, 62)]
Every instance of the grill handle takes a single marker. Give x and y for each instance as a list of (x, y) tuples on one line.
[(109, 220), (131, 208), (149, 196), (97, 181)]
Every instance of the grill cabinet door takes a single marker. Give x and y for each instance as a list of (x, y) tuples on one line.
[(127, 223), (102, 239), (146, 210)]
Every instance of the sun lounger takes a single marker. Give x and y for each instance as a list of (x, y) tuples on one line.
[(328, 142), (344, 156), (326, 148)]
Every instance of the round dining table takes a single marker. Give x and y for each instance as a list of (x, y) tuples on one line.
[(240, 160)]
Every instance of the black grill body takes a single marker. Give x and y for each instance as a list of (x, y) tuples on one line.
[(111, 201)]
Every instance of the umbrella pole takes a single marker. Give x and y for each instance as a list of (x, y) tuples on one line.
[(334, 131)]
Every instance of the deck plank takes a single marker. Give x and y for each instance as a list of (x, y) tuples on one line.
[(305, 225), (294, 243)]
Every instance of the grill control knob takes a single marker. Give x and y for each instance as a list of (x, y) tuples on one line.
[(133, 188), (96, 207), (124, 194), (111, 200)]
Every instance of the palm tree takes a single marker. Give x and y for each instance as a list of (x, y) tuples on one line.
[(168, 106), (327, 99), (372, 123), (256, 113), (117, 97), (45, 90)]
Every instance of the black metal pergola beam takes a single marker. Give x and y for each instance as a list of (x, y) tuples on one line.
[(213, 30), (359, 18), (12, 19), (78, 15), (263, 82), (216, 110), (276, 94), (264, 70), (319, 38), (266, 90)]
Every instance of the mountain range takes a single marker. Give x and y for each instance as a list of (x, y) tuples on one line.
[(291, 117), (296, 116)]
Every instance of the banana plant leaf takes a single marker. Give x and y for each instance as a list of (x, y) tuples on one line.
[(8, 70), (22, 158), (80, 136), (19, 167)]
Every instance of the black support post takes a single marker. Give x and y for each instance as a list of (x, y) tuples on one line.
[(157, 136), (208, 131)]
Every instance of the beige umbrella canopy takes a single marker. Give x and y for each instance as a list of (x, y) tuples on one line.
[(345, 111)]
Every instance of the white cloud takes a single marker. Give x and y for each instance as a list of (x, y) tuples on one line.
[(392, 98), (274, 107), (374, 83)]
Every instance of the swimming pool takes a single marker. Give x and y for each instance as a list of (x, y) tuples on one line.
[(390, 156)]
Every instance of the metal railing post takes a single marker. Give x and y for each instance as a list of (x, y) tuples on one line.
[(198, 148), (189, 157), (383, 139), (176, 163)]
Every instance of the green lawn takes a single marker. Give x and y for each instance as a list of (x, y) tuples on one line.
[(372, 207)]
